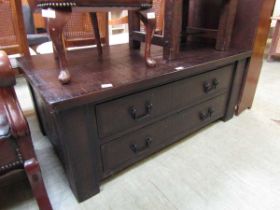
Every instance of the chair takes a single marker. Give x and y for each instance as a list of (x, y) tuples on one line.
[(12, 32), (16, 149), (79, 30), (33, 38), (136, 28), (159, 9), (216, 24), (195, 22)]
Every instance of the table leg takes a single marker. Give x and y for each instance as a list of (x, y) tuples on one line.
[(149, 20), (55, 28)]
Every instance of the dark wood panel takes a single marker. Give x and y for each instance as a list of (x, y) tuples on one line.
[(252, 78), (80, 149), (246, 23), (239, 73), (200, 15)]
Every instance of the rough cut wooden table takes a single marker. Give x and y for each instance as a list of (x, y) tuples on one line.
[(58, 18), (117, 111)]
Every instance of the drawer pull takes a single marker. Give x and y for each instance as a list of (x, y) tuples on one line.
[(136, 149), (205, 116), (148, 110), (208, 87)]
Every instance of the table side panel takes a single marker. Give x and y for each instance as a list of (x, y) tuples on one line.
[(80, 148)]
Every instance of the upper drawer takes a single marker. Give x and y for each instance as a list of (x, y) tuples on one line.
[(137, 109)]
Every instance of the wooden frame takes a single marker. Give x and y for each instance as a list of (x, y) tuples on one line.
[(16, 145), (178, 12), (17, 20)]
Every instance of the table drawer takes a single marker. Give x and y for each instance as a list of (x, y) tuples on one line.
[(137, 109), (136, 145)]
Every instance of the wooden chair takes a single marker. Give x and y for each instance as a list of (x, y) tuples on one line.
[(12, 32), (194, 22), (137, 28), (160, 10), (274, 50), (215, 23), (79, 30), (16, 149), (159, 7)]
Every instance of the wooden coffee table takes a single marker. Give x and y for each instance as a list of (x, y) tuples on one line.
[(58, 12)]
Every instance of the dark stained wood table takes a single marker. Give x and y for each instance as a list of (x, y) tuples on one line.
[(117, 111)]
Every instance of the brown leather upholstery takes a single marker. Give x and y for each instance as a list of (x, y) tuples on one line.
[(10, 158)]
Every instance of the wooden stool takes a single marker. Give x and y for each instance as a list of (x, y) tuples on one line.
[(196, 20), (58, 18)]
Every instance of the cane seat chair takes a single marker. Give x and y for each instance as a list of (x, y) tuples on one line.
[(79, 30), (159, 7), (12, 32)]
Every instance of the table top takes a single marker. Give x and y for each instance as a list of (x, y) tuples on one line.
[(118, 72)]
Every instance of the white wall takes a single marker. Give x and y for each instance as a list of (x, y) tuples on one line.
[(276, 11), (277, 8)]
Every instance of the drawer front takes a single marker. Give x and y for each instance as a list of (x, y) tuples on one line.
[(136, 145), (137, 109)]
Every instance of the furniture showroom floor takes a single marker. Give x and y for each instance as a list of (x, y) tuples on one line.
[(233, 165)]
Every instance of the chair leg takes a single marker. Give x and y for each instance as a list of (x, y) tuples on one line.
[(148, 17), (95, 25), (55, 28), (34, 175)]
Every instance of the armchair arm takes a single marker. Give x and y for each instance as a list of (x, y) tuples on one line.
[(18, 124), (7, 76), (8, 99)]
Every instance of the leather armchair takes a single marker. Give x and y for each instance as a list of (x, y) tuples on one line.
[(16, 149)]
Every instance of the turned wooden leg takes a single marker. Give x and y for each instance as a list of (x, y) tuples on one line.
[(55, 28), (34, 176), (96, 32), (148, 17)]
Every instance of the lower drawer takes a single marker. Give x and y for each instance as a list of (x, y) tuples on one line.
[(134, 146)]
